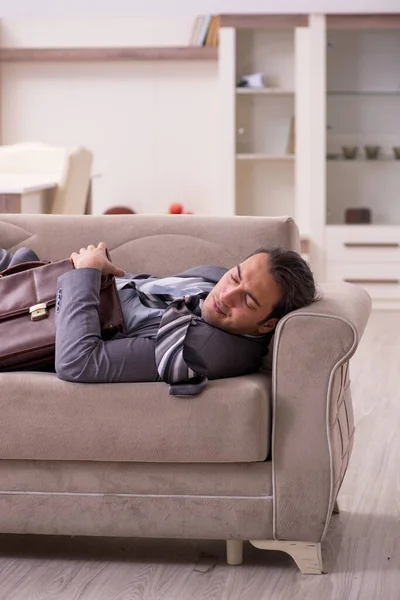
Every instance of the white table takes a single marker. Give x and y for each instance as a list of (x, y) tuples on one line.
[(26, 192)]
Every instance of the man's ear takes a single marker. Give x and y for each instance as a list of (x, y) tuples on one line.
[(268, 326)]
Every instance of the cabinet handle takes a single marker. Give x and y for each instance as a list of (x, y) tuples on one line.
[(376, 281), (371, 244)]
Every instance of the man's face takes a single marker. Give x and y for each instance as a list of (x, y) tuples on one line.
[(243, 297)]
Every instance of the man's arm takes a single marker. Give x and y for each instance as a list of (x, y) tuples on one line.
[(81, 354)]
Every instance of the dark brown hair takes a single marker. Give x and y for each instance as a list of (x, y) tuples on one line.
[(294, 278)]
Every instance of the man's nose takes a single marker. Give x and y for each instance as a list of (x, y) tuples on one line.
[(228, 297)]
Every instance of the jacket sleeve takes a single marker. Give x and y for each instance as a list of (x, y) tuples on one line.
[(22, 255), (81, 354)]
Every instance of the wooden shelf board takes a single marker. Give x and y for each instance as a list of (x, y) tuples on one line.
[(382, 159), (365, 21), (264, 91), (108, 54), (363, 93), (261, 156), (263, 21)]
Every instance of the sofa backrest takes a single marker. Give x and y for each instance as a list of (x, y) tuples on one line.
[(155, 244)]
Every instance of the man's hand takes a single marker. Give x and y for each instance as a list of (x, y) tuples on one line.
[(95, 258)]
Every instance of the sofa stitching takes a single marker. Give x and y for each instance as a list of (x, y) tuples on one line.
[(341, 438), (347, 417), (343, 398), (343, 401), (346, 454), (208, 496)]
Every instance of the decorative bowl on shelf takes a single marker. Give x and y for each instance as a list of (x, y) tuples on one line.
[(350, 152), (372, 152), (396, 152)]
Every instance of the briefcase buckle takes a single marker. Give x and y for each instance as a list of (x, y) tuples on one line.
[(38, 312)]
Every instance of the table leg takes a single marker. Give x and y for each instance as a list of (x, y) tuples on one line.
[(37, 203), (89, 199)]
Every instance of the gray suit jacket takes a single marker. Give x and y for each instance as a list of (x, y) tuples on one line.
[(82, 355)]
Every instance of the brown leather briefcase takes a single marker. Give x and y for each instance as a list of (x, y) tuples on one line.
[(27, 313)]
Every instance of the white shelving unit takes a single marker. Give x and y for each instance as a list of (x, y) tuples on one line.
[(339, 76), (258, 173), (363, 108)]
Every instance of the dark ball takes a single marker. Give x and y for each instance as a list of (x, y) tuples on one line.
[(119, 210)]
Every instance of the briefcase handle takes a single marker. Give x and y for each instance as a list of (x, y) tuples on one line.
[(23, 267), (106, 280)]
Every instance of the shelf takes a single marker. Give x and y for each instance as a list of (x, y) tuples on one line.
[(354, 226), (387, 159), (108, 54), (363, 21), (263, 91), (365, 93), (284, 157), (263, 21)]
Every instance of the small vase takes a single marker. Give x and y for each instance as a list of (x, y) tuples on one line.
[(349, 152), (372, 152)]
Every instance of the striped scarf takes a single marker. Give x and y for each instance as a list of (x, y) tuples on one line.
[(178, 315)]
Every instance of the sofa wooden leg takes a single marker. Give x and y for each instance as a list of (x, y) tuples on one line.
[(306, 555), (234, 552), (336, 508)]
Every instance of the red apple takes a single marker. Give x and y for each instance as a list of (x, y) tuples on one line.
[(176, 209)]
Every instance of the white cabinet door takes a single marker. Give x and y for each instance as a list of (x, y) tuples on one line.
[(363, 244), (382, 281)]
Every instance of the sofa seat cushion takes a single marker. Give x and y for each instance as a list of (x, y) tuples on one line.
[(45, 418)]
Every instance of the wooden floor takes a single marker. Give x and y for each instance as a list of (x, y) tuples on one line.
[(361, 552)]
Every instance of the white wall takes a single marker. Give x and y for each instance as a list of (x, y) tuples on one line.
[(187, 7), (153, 126)]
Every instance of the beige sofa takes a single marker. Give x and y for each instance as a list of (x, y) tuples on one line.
[(259, 458)]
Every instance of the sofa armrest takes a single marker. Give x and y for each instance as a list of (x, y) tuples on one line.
[(312, 410)]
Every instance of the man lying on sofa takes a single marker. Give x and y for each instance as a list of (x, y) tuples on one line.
[(205, 323)]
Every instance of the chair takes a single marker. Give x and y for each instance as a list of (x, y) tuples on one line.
[(70, 166)]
